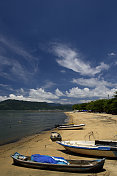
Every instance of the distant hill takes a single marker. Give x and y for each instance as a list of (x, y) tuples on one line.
[(28, 105)]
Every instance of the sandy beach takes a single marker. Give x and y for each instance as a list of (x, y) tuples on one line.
[(98, 126)]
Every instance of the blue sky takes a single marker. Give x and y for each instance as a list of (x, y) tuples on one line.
[(61, 51)]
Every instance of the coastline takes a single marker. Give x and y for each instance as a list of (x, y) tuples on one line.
[(18, 124), (98, 126)]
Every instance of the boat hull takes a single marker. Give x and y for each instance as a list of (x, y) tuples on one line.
[(71, 127), (100, 151), (75, 166)]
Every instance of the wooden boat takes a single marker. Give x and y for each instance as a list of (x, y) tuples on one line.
[(73, 166), (94, 148), (70, 127)]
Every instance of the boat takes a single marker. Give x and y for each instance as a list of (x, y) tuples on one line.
[(55, 136), (70, 127), (72, 166), (98, 148), (106, 142)]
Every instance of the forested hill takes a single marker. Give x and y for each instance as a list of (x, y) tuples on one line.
[(27, 105)]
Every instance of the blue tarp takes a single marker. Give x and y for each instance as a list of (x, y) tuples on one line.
[(48, 159)]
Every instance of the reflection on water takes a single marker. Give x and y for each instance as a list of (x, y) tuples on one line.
[(17, 124)]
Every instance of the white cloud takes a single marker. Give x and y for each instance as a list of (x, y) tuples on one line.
[(71, 59), (73, 95), (99, 92), (98, 88), (101, 67), (111, 54), (41, 95), (2, 98), (92, 82), (12, 96), (77, 92), (37, 95), (59, 93), (15, 97)]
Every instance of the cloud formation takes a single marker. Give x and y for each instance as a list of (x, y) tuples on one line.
[(73, 95), (42, 95), (58, 93), (21, 65), (71, 59), (98, 92), (15, 61), (93, 82)]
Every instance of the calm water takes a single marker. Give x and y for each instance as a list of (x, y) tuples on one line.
[(17, 124)]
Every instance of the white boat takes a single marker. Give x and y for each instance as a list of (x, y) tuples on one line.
[(70, 127), (94, 148)]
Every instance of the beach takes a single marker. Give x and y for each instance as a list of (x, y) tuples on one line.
[(98, 126)]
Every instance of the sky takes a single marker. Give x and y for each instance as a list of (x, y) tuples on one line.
[(58, 51)]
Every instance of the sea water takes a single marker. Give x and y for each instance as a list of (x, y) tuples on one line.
[(15, 125)]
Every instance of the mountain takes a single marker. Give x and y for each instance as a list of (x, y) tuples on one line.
[(28, 105)]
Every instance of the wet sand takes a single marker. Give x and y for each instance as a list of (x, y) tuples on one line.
[(98, 126)]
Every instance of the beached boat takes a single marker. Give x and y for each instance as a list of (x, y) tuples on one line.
[(71, 166), (106, 143), (70, 127), (95, 148), (55, 136)]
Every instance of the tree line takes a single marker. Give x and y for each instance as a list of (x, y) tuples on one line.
[(108, 106)]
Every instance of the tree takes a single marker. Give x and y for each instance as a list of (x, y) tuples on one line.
[(107, 106), (114, 106), (115, 96)]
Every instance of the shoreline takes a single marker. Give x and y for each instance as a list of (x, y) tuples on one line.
[(10, 139), (23, 140), (103, 126)]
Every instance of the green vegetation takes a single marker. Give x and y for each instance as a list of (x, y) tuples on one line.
[(27, 105), (104, 105)]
